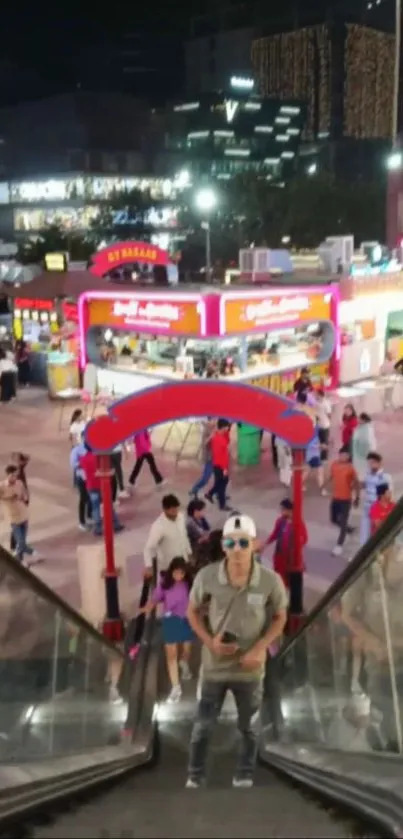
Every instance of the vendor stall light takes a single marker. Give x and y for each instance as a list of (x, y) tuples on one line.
[(272, 161), (198, 135), (44, 317), (35, 316), (182, 179), (293, 132), (25, 314), (53, 317), (263, 129), (282, 138), (242, 83), (223, 133), (283, 120), (108, 335), (312, 169), (288, 155), (17, 313)]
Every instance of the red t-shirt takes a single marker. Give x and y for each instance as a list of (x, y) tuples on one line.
[(220, 450), (379, 512), (347, 430), (89, 465)]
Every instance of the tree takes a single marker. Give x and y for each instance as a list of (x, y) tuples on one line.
[(53, 239)]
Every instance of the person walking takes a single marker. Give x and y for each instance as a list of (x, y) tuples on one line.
[(348, 425), (89, 465), (8, 372), (172, 592), (77, 426), (22, 360), (283, 535), (167, 538), (363, 442), (118, 481), (20, 460), (14, 501), (246, 613), (314, 465), (375, 477), (345, 492), (207, 430), (382, 507), (220, 442), (323, 411), (198, 528), (84, 502), (143, 448)]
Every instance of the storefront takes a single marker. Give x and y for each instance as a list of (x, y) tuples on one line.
[(371, 323), (133, 339)]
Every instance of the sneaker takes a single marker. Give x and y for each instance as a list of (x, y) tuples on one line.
[(185, 671), (324, 493), (33, 559), (192, 783), (82, 527), (242, 782), (119, 528), (175, 694), (337, 550), (124, 494), (209, 498), (90, 522)]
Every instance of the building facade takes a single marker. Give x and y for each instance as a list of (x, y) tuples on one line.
[(228, 132)]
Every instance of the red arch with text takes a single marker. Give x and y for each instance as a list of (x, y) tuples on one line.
[(171, 401)]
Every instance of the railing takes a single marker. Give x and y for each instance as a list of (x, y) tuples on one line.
[(341, 677)]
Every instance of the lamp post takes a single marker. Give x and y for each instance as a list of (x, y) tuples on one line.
[(206, 200)]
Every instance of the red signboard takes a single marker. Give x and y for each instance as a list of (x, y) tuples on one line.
[(177, 400), (124, 253), (31, 303)]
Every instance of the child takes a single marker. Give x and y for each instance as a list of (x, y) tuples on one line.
[(173, 593)]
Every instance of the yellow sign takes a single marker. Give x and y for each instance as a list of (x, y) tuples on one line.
[(55, 262), (137, 253)]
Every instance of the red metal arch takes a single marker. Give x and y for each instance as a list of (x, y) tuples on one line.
[(179, 400), (123, 253)]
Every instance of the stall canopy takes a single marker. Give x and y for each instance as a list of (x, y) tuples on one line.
[(52, 284)]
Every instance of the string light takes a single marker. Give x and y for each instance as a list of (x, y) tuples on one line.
[(368, 88)]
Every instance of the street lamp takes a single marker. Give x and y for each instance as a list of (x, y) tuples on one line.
[(206, 200), (395, 160)]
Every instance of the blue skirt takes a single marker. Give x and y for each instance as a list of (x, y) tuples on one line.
[(176, 630)]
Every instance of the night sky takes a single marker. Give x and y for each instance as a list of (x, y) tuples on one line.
[(64, 49)]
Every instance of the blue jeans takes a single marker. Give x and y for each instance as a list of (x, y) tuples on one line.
[(19, 533), (204, 478), (95, 498), (248, 698)]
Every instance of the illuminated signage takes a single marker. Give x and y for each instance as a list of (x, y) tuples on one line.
[(242, 83), (55, 262), (136, 310), (31, 303), (123, 253), (231, 108), (148, 314), (247, 314)]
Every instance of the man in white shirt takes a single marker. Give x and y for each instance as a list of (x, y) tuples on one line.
[(167, 537)]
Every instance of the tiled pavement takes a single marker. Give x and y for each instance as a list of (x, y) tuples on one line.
[(32, 424)]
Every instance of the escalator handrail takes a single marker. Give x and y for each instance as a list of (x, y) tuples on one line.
[(365, 556), (30, 581)]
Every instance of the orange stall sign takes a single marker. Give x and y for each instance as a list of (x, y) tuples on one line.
[(243, 315), (170, 316)]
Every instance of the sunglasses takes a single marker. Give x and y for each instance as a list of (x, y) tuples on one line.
[(232, 543)]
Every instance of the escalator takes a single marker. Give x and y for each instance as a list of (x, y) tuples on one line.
[(89, 747)]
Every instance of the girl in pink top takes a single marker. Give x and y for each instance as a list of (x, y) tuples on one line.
[(142, 445)]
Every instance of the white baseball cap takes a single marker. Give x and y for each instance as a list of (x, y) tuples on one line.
[(241, 524)]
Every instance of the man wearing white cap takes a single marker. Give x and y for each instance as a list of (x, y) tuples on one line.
[(247, 611)]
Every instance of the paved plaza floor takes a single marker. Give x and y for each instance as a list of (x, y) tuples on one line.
[(32, 424)]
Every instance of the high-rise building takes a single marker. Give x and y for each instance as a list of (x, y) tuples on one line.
[(342, 71)]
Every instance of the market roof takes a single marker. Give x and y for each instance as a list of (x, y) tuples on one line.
[(52, 284)]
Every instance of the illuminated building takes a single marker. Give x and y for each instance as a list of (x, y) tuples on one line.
[(232, 131), (344, 73)]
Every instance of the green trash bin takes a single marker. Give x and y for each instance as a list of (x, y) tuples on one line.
[(249, 445)]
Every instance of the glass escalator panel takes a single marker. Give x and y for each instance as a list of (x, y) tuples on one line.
[(58, 677), (341, 681)]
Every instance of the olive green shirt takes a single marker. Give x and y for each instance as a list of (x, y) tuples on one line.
[(247, 613)]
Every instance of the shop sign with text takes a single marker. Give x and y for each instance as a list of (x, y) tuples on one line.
[(181, 317), (246, 315), (283, 383), (32, 303), (123, 253)]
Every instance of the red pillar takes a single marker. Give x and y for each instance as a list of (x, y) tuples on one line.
[(296, 612), (113, 627)]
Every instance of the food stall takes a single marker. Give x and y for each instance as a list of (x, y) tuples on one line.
[(136, 338), (45, 316)]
